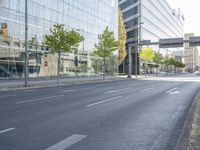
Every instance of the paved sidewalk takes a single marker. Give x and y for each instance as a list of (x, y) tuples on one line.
[(193, 143), (37, 83), (48, 82)]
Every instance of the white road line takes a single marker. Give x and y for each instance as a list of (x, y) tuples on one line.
[(87, 88), (114, 91), (8, 95), (6, 130), (147, 89), (171, 90), (66, 143), (66, 91), (100, 102), (39, 99), (26, 91)]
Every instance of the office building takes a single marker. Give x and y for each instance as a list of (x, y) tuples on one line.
[(150, 20), (191, 55), (88, 17)]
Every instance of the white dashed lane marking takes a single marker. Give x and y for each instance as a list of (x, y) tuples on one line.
[(6, 130), (66, 143)]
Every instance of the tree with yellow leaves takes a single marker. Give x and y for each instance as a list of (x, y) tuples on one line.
[(147, 54), (121, 38)]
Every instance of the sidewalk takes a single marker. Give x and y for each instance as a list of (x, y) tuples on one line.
[(48, 82), (193, 143), (37, 83)]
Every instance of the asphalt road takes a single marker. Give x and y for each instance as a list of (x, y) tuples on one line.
[(118, 115)]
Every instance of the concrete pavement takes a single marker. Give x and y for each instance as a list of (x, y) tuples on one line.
[(128, 115)]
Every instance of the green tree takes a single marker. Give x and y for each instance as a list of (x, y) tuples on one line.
[(173, 63), (61, 41), (34, 44), (147, 54), (106, 46), (158, 58), (176, 64), (96, 63), (166, 63), (122, 39)]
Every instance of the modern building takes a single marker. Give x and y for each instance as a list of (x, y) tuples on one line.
[(150, 20), (191, 55), (88, 17)]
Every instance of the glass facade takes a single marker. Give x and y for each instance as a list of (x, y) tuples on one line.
[(88, 17), (151, 20), (160, 21), (154, 19)]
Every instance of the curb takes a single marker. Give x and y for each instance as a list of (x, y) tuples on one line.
[(185, 131)]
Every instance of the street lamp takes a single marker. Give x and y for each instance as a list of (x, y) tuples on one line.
[(26, 46)]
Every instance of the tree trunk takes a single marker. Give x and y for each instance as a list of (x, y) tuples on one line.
[(156, 71), (146, 68), (104, 68), (124, 66), (58, 69)]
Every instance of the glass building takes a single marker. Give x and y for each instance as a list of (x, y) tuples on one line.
[(88, 17), (151, 20)]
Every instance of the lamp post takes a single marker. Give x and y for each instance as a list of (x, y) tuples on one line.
[(26, 46)]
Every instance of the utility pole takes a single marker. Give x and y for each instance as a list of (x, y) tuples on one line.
[(26, 46)]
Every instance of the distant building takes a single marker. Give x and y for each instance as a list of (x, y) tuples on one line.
[(178, 55), (191, 55), (150, 20)]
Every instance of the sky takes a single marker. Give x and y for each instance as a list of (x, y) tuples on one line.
[(191, 11)]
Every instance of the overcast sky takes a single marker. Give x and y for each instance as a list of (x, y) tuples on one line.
[(191, 11)]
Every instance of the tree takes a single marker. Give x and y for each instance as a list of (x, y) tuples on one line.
[(158, 58), (111, 64), (166, 63), (122, 39), (147, 54), (176, 64), (33, 44), (61, 41), (96, 63), (106, 46), (173, 63)]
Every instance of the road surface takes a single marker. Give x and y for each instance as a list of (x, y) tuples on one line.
[(117, 115)]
